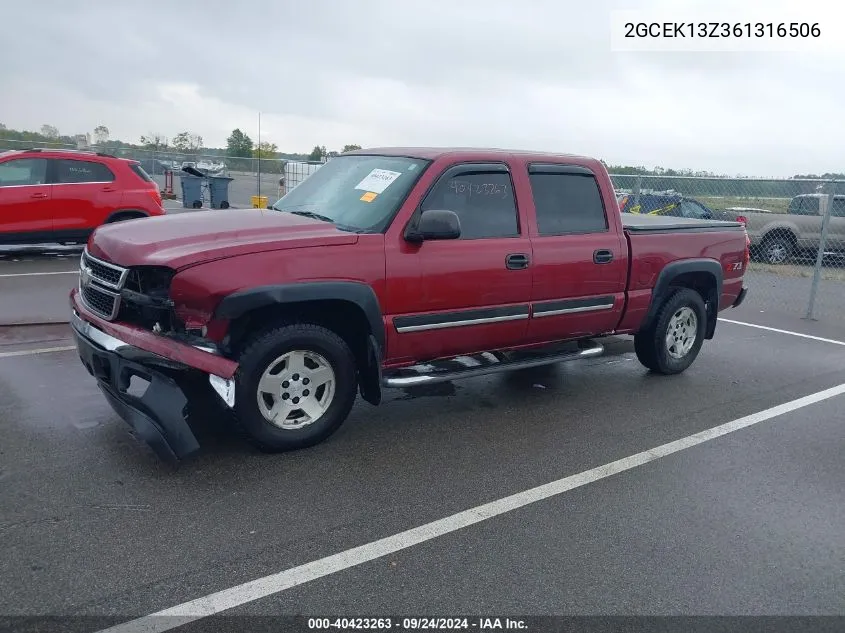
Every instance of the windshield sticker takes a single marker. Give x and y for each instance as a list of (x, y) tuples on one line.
[(378, 180), (368, 197)]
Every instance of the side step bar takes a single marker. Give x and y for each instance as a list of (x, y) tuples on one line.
[(487, 363)]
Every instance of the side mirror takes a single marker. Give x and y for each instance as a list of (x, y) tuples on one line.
[(435, 224)]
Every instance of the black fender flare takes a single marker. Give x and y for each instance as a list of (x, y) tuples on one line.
[(674, 270), (360, 294), (356, 293)]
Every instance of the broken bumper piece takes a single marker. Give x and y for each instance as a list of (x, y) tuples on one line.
[(158, 414)]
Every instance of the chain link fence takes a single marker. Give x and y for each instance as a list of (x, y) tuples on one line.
[(796, 227)]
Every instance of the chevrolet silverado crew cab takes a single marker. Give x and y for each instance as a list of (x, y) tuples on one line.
[(388, 268)]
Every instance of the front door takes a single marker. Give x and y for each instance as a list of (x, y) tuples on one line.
[(470, 294), (25, 210)]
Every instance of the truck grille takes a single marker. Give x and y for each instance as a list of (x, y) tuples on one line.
[(100, 284), (100, 301)]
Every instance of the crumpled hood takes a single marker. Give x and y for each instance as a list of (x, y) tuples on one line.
[(193, 237)]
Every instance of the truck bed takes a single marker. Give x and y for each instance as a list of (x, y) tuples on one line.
[(655, 242), (634, 223)]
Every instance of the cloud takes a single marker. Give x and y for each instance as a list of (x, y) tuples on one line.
[(535, 75)]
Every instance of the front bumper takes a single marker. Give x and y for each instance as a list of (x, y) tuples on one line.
[(158, 414)]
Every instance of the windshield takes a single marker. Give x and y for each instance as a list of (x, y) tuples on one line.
[(360, 193)]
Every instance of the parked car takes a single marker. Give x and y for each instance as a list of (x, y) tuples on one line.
[(154, 167), (63, 195), (389, 268), (777, 237), (667, 204)]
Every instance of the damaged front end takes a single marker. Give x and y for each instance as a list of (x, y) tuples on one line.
[(127, 326)]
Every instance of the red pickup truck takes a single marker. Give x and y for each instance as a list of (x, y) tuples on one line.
[(388, 268)]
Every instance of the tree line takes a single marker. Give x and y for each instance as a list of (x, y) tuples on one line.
[(240, 145)]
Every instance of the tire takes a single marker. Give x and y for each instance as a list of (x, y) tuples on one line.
[(196, 204), (120, 217), (683, 313), (776, 250), (224, 204), (271, 360)]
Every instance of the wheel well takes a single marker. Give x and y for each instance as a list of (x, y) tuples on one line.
[(118, 216), (344, 318), (783, 233), (704, 283)]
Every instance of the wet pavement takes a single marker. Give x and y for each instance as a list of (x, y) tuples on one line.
[(92, 523)]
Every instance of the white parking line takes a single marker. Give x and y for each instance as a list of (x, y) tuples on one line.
[(791, 333), (55, 272), (43, 350), (275, 583)]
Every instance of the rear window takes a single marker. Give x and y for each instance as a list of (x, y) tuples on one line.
[(139, 171), (804, 205), (74, 171)]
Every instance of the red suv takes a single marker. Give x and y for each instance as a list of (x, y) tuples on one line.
[(61, 196)]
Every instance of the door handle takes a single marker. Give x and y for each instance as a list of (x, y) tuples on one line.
[(108, 189), (38, 195), (602, 256), (516, 261)]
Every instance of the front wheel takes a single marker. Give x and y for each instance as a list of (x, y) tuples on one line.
[(295, 386), (674, 341)]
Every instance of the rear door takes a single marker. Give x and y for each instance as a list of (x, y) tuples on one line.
[(836, 230), (84, 195), (580, 256), (25, 193), (807, 218)]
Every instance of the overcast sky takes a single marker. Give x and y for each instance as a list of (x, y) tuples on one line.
[(534, 74)]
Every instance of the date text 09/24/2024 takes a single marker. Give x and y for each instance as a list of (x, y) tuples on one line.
[(416, 624)]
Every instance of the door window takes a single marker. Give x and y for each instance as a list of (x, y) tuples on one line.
[(567, 203), (23, 171), (691, 209), (484, 202), (70, 171)]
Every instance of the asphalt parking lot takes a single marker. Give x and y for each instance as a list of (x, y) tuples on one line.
[(744, 520)]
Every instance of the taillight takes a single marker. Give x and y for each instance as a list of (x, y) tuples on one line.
[(742, 219), (156, 194), (746, 258)]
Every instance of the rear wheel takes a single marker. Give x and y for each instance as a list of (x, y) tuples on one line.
[(777, 250), (120, 217), (295, 386), (674, 341)]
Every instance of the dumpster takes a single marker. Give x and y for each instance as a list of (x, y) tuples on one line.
[(218, 191), (191, 186), (260, 202)]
